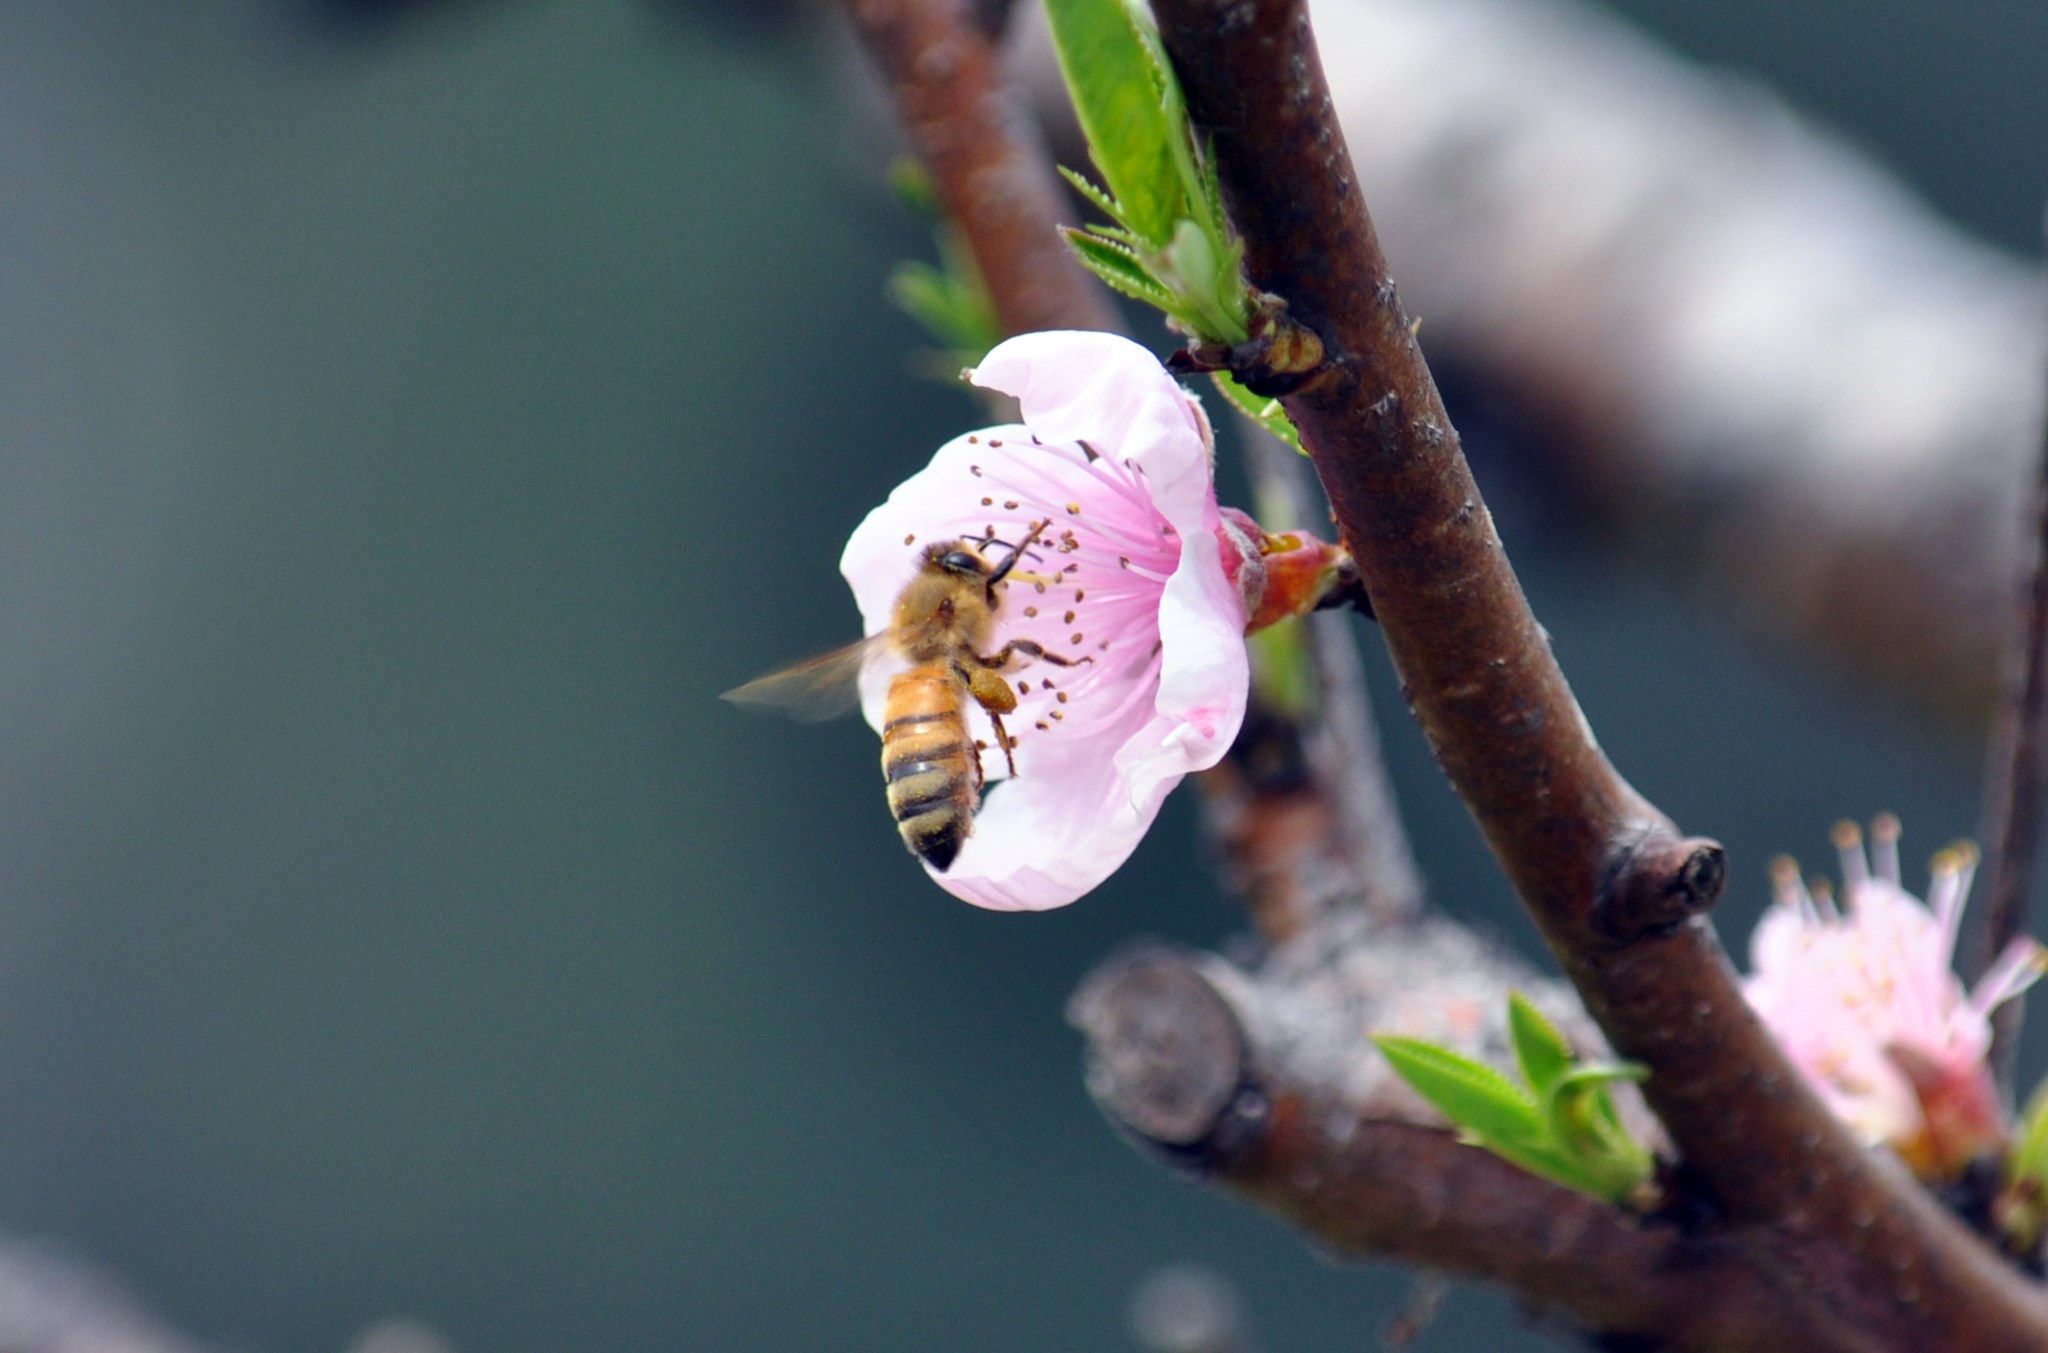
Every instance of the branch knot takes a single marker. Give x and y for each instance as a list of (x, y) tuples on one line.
[(1659, 884), (1167, 1056)]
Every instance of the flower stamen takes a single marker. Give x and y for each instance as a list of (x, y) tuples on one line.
[(1114, 450), (1864, 999)]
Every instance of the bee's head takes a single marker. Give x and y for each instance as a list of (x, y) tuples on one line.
[(959, 559)]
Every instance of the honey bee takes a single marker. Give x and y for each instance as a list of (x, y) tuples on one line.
[(941, 625)]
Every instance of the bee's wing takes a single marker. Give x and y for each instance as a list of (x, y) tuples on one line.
[(823, 687)]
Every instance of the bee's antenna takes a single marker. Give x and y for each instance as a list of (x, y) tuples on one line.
[(1016, 551)]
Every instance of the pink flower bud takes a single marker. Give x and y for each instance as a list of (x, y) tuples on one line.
[(1277, 576)]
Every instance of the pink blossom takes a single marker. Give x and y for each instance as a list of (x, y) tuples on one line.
[(1864, 999), (1130, 573)]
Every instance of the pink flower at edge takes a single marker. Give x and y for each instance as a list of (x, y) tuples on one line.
[(1865, 1000), (1130, 573)]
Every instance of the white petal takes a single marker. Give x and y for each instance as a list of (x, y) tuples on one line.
[(1058, 830), (1086, 790), (1115, 396), (941, 502)]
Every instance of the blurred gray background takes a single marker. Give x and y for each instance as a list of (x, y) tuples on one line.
[(411, 417)]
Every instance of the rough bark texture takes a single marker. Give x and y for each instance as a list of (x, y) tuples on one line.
[(1574, 838)]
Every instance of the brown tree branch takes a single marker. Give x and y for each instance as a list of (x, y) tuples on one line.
[(993, 177), (1189, 1056), (1583, 849)]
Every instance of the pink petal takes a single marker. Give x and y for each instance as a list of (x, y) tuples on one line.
[(1775, 944), (2016, 969), (1089, 788), (939, 503), (1057, 831), (1115, 396)]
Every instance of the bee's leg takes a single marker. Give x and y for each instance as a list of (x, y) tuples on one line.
[(993, 694), (1016, 553), (1030, 648), (1005, 741)]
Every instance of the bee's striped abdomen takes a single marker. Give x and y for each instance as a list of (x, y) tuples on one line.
[(929, 763)]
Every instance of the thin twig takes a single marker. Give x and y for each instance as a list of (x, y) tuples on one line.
[(993, 177), (1301, 810), (1616, 891), (2012, 805)]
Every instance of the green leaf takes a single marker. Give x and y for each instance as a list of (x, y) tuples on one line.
[(1552, 1164), (2023, 1201), (923, 293), (913, 186), (1119, 282), (1109, 256), (1156, 186), (1116, 265), (1212, 186), (2029, 1158), (1582, 1113), (953, 309), (1540, 1050), (1267, 413), (1117, 235), (1100, 200), (1118, 78), (1569, 1132), (1191, 254), (1587, 1127), (1472, 1095)]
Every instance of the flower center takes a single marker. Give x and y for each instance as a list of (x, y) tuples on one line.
[(1087, 590)]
